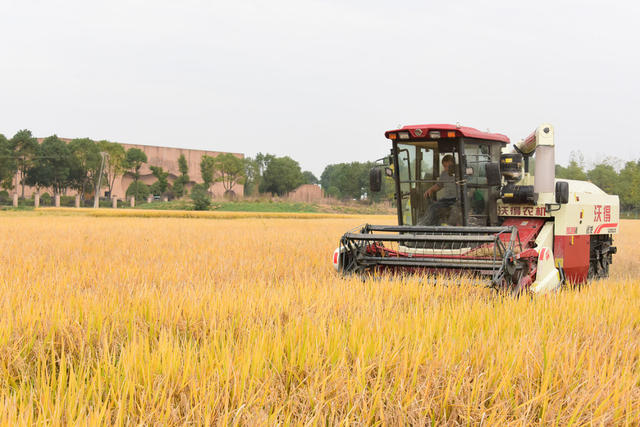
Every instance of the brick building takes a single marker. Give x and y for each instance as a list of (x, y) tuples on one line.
[(167, 158)]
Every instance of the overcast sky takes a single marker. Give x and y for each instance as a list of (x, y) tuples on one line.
[(321, 80)]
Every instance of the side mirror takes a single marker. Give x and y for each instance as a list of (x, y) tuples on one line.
[(388, 172), (492, 171), (562, 192), (375, 180)]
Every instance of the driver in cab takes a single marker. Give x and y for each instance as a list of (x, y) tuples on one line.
[(446, 189)]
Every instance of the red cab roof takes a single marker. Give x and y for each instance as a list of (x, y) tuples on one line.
[(422, 131)]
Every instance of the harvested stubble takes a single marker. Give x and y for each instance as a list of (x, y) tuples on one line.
[(171, 321)]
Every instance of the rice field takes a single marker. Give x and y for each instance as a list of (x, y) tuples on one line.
[(242, 321)]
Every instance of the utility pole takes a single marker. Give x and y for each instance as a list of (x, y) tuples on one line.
[(96, 198)]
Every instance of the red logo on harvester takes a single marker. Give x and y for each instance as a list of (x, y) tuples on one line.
[(601, 213), (544, 254), (522, 211)]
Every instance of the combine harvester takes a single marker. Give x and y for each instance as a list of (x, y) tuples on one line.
[(467, 202)]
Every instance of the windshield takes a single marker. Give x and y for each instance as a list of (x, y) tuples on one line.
[(477, 155), (430, 183), (428, 188)]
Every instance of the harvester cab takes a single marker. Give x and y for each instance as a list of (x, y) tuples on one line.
[(468, 201)]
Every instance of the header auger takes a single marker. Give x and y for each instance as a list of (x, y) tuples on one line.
[(468, 203)]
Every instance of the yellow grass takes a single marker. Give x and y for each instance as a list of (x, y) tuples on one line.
[(150, 213), (173, 321)]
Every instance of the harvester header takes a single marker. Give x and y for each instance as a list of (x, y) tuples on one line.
[(467, 201)]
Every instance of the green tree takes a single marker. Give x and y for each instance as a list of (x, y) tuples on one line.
[(200, 196), (52, 166), (179, 186), (24, 147), (628, 187), (309, 178), (262, 162), (161, 186), (604, 176), (253, 172), (134, 159), (85, 164), (183, 166), (231, 169), (7, 163), (282, 175), (575, 169), (351, 181), (115, 163), (139, 190), (37, 176), (207, 169), (45, 199), (252, 176), (333, 191)]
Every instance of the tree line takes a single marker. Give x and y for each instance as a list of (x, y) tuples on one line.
[(59, 166), (612, 175), (351, 180), (267, 173)]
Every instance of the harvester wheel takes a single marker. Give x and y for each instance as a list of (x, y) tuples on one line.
[(599, 257), (507, 277), (504, 286)]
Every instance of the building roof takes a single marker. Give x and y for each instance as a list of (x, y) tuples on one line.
[(422, 131), (144, 146)]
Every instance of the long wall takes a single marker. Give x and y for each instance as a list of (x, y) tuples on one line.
[(165, 157)]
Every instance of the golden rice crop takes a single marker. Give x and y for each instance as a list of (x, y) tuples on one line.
[(155, 213), (121, 320)]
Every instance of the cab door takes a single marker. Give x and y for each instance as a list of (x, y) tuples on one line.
[(416, 171), (477, 156), (405, 167)]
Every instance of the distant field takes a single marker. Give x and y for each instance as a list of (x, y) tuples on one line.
[(241, 320), (152, 213), (268, 205), (242, 205)]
